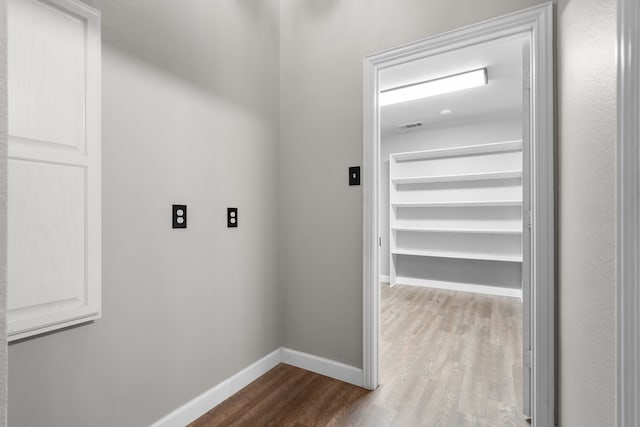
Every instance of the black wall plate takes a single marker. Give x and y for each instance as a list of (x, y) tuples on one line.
[(179, 216), (232, 217), (354, 175)]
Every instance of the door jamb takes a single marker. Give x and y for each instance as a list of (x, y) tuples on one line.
[(628, 216), (537, 22)]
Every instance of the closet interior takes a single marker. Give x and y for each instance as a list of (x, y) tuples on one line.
[(452, 175)]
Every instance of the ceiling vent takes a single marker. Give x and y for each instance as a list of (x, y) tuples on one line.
[(411, 125)]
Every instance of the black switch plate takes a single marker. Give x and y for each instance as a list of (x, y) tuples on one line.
[(354, 175), (232, 217), (179, 216)]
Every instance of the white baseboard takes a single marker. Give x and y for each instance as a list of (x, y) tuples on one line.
[(463, 287), (202, 404), (323, 366), (385, 279)]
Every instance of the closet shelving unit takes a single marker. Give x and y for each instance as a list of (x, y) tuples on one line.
[(461, 203)]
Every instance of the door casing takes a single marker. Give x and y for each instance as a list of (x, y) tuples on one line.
[(537, 24)]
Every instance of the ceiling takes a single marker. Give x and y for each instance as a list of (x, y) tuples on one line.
[(502, 96)]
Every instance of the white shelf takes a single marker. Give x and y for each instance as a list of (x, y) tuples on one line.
[(461, 177), (460, 204), (492, 182), (458, 255), (458, 230), (469, 150)]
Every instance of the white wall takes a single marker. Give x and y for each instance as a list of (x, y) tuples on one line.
[(190, 107), (466, 132), (587, 134)]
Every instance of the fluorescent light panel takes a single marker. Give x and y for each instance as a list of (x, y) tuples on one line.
[(453, 83)]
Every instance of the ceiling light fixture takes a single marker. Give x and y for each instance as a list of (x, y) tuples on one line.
[(446, 84)]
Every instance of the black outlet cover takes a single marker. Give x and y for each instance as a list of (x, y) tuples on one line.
[(179, 216), (232, 217), (354, 175)]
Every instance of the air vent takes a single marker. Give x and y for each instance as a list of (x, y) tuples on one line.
[(411, 125)]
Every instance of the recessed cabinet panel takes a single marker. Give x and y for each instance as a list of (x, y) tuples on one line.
[(54, 179), (47, 73), (50, 213)]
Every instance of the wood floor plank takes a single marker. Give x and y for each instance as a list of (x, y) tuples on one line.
[(447, 359)]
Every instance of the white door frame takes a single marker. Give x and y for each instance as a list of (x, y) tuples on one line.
[(537, 23), (628, 216)]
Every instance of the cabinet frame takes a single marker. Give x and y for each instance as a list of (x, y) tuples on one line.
[(65, 304)]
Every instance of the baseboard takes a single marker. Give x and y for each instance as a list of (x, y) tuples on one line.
[(320, 365), (200, 405), (385, 279), (463, 287)]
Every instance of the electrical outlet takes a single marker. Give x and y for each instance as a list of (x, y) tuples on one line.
[(232, 217), (179, 217)]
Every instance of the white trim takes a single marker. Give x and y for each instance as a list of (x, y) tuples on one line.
[(322, 366), (203, 403), (628, 215), (385, 278), (370, 226), (537, 23), (200, 405), (462, 287)]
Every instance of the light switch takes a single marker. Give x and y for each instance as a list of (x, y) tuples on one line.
[(354, 175)]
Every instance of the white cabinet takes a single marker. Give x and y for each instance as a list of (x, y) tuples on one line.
[(459, 203), (54, 221)]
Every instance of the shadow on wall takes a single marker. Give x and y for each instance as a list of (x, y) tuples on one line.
[(203, 43), (321, 6)]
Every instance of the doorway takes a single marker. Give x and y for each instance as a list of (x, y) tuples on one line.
[(535, 248)]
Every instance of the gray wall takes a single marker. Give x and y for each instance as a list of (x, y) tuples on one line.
[(322, 46), (190, 91), (190, 107), (587, 134), (321, 126), (3, 213)]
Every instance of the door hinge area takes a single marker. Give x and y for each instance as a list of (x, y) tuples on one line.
[(528, 219), (527, 358), (380, 241), (526, 81)]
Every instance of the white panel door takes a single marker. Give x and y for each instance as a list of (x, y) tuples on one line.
[(54, 236)]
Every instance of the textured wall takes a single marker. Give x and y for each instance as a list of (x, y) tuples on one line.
[(587, 134), (190, 107), (3, 213), (322, 47)]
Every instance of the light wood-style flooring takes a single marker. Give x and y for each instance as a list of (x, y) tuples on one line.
[(447, 359)]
